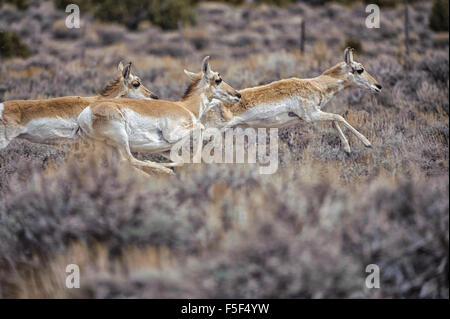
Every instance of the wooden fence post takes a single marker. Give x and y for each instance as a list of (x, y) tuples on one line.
[(407, 29), (302, 36)]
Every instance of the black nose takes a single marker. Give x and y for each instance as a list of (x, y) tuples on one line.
[(238, 95), (378, 86), (154, 96)]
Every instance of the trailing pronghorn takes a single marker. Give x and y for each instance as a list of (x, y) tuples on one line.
[(50, 121), (154, 126), (287, 102)]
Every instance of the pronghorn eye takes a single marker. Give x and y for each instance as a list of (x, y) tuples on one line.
[(218, 81), (136, 84), (360, 71)]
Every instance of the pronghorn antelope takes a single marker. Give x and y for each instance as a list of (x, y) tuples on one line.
[(154, 126), (50, 121), (287, 102)]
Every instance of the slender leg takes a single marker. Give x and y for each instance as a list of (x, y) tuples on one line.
[(167, 156), (178, 134), (116, 136), (344, 140), (323, 116), (125, 153)]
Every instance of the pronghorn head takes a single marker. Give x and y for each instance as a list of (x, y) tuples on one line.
[(127, 85), (356, 74), (132, 84), (211, 85)]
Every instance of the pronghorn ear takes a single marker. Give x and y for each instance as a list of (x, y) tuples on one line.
[(126, 71), (190, 75), (348, 55), (120, 67), (205, 66)]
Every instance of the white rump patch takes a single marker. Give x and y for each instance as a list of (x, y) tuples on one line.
[(2, 107), (49, 130)]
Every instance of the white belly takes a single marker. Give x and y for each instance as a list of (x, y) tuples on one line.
[(145, 133), (278, 121), (50, 130), (272, 114)]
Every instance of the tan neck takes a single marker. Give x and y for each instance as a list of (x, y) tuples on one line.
[(330, 85), (113, 89), (195, 102), (117, 92)]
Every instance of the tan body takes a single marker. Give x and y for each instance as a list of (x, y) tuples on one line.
[(153, 126), (41, 121), (145, 126), (54, 120), (290, 101)]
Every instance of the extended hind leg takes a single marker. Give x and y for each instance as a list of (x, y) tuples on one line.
[(166, 155), (125, 154), (182, 134), (234, 122), (115, 135), (112, 153)]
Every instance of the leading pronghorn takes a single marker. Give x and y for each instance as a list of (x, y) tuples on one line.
[(154, 126), (287, 102), (53, 120)]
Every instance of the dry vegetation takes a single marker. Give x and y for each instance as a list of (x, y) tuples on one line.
[(223, 231)]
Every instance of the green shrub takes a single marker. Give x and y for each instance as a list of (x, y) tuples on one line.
[(239, 2), (439, 19), (279, 3), (20, 4), (165, 14), (380, 3), (383, 3), (85, 5), (11, 45), (232, 2)]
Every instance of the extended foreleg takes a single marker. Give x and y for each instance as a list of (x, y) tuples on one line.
[(344, 140), (323, 116)]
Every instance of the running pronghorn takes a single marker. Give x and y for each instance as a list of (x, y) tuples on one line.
[(287, 102), (154, 126), (53, 120)]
